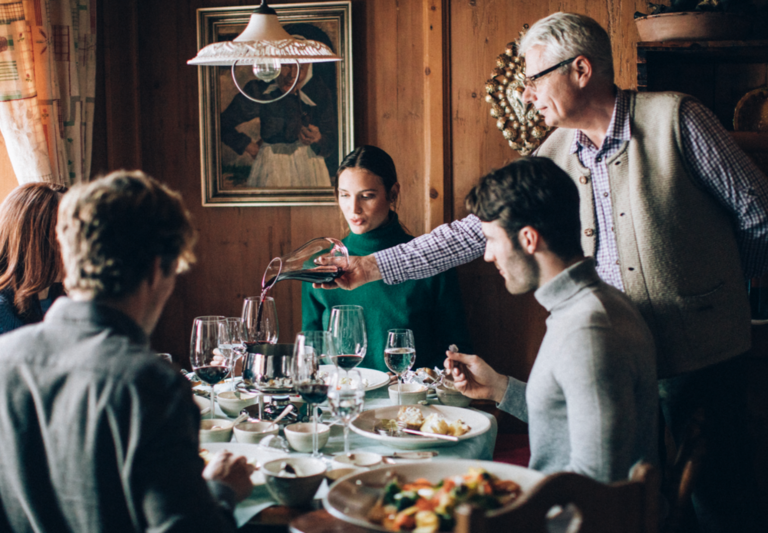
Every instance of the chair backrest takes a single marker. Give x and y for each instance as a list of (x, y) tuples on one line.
[(623, 507)]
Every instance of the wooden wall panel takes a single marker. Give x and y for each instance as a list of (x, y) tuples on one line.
[(159, 131)]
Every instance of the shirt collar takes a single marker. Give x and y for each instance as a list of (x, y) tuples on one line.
[(74, 312), (618, 129), (567, 283)]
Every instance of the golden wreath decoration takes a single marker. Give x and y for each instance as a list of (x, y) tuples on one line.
[(521, 124)]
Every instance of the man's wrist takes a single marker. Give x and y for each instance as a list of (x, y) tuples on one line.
[(500, 387), (371, 268)]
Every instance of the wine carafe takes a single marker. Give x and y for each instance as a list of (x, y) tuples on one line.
[(320, 260)]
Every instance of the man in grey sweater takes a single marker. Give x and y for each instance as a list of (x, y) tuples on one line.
[(591, 400)]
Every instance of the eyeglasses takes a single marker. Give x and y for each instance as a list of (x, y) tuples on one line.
[(530, 81)]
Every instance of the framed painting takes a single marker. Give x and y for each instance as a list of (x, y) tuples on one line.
[(282, 153)]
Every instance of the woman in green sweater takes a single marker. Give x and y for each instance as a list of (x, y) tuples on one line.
[(367, 192)]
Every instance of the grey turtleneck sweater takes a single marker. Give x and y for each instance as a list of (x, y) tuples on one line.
[(591, 400)]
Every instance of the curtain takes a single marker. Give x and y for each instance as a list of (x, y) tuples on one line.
[(47, 87)]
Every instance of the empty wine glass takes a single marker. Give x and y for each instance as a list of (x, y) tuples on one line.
[(232, 345), (346, 395), (309, 348), (259, 321), (399, 354), (347, 327), (204, 353)]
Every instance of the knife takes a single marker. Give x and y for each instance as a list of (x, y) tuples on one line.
[(412, 455), (431, 435)]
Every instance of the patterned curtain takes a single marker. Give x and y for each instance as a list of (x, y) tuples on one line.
[(47, 87)]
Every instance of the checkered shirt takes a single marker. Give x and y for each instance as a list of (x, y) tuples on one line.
[(717, 164)]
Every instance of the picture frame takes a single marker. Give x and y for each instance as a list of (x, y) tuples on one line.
[(286, 171)]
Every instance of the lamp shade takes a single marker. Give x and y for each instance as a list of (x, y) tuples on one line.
[(263, 38)]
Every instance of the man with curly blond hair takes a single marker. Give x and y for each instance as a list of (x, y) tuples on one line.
[(97, 432)]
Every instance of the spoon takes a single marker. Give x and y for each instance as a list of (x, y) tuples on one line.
[(283, 414), (239, 419)]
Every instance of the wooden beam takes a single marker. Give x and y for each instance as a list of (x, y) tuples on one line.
[(437, 144)]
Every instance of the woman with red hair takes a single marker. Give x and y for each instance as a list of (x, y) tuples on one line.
[(30, 263)]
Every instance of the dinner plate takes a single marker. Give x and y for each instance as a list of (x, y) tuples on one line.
[(352, 496), (375, 378), (366, 423), (254, 453)]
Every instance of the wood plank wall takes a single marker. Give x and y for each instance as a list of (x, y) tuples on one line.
[(148, 118)]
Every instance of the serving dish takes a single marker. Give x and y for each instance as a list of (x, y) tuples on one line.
[(256, 455), (352, 496), (368, 423)]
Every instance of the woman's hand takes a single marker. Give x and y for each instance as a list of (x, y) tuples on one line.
[(310, 134), (475, 378)]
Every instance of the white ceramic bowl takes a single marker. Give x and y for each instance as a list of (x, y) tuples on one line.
[(356, 460), (338, 473), (294, 490), (410, 393), (215, 430), (253, 432), (300, 436), (232, 405), (452, 397)]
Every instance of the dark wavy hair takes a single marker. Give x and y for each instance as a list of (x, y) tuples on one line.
[(531, 191), (29, 253)]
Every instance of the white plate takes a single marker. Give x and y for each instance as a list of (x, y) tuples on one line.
[(352, 496), (365, 423), (254, 453), (375, 378)]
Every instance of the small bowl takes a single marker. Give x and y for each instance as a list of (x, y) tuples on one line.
[(253, 432), (452, 397), (410, 394), (231, 405), (338, 473), (357, 460), (215, 430), (300, 436), (294, 490)]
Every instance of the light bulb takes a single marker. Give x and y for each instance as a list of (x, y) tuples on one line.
[(267, 69)]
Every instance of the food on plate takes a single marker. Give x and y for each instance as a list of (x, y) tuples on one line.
[(279, 383), (429, 375), (412, 416), (345, 380), (433, 423), (424, 507)]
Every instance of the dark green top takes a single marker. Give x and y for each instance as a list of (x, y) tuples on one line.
[(432, 308)]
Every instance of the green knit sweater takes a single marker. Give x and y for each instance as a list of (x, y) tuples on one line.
[(432, 308)]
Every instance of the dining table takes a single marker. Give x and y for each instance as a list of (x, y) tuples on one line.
[(260, 509)]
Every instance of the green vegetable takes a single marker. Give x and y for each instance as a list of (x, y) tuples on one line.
[(447, 523), (390, 491), (405, 499)]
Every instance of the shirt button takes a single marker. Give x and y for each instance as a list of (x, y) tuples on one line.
[(589, 232), (611, 228), (598, 159), (605, 194), (583, 180), (617, 261)]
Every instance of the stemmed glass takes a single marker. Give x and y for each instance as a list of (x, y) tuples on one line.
[(204, 354), (346, 396), (259, 321), (232, 344), (310, 346), (399, 354), (347, 327)]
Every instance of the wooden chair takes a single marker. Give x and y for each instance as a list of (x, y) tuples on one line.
[(623, 507)]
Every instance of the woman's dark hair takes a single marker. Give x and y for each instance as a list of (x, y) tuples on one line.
[(531, 191), (374, 160), (29, 252)]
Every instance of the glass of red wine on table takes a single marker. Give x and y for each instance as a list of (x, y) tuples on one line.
[(205, 355), (347, 328), (309, 348)]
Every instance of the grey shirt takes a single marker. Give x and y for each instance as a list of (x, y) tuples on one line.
[(97, 433), (591, 401)]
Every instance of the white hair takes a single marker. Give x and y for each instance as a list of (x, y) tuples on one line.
[(567, 35)]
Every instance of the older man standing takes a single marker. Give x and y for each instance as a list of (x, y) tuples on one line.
[(675, 215), (97, 433)]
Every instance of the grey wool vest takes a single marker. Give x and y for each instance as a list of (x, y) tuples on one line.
[(677, 250)]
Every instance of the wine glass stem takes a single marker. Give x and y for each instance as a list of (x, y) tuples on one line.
[(213, 401), (399, 395), (346, 438), (314, 433)]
